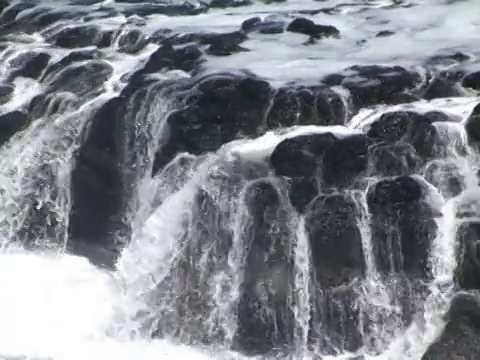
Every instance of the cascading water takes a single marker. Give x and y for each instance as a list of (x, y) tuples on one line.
[(239, 217)]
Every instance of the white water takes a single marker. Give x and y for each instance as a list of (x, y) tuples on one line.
[(61, 307), (57, 306)]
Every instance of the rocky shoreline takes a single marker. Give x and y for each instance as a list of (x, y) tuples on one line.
[(321, 174)]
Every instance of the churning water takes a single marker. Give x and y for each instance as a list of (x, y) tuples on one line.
[(151, 305)]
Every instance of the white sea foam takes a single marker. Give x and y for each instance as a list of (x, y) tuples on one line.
[(57, 306), (60, 307)]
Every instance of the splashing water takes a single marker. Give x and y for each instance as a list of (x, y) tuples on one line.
[(180, 275)]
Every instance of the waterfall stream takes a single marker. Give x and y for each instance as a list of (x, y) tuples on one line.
[(206, 252)]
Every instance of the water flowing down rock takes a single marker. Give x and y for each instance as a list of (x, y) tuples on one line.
[(403, 227), (338, 262), (264, 314), (234, 179)]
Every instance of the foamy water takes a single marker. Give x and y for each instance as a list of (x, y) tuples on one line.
[(61, 307), (56, 306)]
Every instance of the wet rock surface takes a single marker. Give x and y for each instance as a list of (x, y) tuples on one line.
[(173, 101), (460, 337), (266, 25), (319, 159), (96, 173), (265, 319), (332, 227), (468, 235), (403, 226), (370, 85), (473, 126), (219, 109), (308, 27), (406, 128), (306, 105), (30, 65), (11, 123)]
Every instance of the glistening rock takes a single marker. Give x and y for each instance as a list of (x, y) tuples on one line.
[(460, 339), (403, 226)]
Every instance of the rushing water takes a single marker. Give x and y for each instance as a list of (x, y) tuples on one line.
[(54, 305)]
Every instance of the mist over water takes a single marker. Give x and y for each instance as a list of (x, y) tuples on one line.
[(201, 240)]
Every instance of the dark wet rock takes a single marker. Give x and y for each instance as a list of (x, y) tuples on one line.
[(82, 36), (152, 8), (385, 33), (6, 92), (436, 116), (104, 13), (318, 159), (308, 27), (71, 58), (406, 127), (335, 239), (472, 81), (29, 65), (460, 339), (394, 193), (52, 104), (403, 226), (209, 242), (225, 50), (301, 156), (49, 17), (301, 191), (447, 59), (336, 323), (72, 84), (170, 37), (267, 25), (444, 84), (102, 256), (223, 4), (333, 161), (331, 222), (11, 123), (446, 176), (472, 126), (162, 36), (306, 105), (167, 57), (36, 20), (96, 180), (111, 159), (12, 12), (3, 5), (393, 159), (268, 276), (370, 85), (214, 40), (224, 44), (218, 109), (344, 160), (467, 274), (131, 41)]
